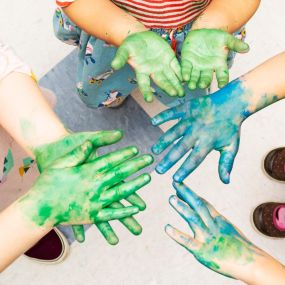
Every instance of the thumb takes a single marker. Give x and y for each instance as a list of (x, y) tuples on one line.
[(237, 45), (75, 157), (120, 58), (227, 158)]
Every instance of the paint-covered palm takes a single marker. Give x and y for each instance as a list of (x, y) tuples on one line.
[(215, 242), (74, 191), (205, 124), (204, 52), (47, 154), (151, 57)]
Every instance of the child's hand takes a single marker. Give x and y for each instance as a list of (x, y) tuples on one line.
[(216, 244), (207, 123), (205, 51), (47, 154), (151, 56), (71, 191)]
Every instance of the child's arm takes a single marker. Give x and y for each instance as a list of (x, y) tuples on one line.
[(69, 192), (219, 245), (213, 122), (148, 54), (104, 20), (228, 15), (26, 115)]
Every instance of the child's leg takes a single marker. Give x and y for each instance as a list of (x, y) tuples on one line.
[(64, 29), (98, 85)]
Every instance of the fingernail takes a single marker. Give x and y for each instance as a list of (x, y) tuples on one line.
[(146, 177), (168, 228), (178, 177), (148, 158), (153, 121), (159, 169), (173, 199), (134, 150), (156, 149)]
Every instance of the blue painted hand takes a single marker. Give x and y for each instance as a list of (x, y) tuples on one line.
[(216, 244), (205, 124)]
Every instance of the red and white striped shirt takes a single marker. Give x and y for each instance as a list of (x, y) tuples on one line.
[(159, 13)]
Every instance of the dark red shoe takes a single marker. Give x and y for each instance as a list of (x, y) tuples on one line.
[(274, 164), (52, 248), (269, 219)]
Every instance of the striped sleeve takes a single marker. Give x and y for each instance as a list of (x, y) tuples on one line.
[(164, 14), (64, 3)]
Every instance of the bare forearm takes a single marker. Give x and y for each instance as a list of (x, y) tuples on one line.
[(25, 114), (266, 82), (104, 20), (17, 235), (267, 271), (229, 15)]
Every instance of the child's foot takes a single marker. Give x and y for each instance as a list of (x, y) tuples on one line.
[(52, 248), (269, 219), (274, 164)]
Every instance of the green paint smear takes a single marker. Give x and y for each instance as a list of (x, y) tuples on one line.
[(75, 194), (27, 129)]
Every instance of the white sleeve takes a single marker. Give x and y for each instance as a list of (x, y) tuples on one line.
[(10, 62)]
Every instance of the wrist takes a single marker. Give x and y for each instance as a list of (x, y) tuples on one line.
[(32, 213), (214, 21), (234, 98), (266, 271)]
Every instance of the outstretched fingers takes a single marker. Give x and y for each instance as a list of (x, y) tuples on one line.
[(167, 115), (124, 170), (109, 214), (222, 74), (120, 58), (175, 82), (75, 157), (110, 160), (143, 81), (175, 66), (164, 83), (227, 157), (79, 233), (195, 222), (236, 45), (137, 201), (176, 153), (169, 137), (195, 158), (129, 222), (186, 67), (103, 138), (195, 202), (123, 190), (108, 233), (183, 239)]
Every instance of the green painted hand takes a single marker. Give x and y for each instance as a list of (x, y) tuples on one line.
[(205, 51), (216, 244), (74, 191), (151, 56), (47, 154)]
